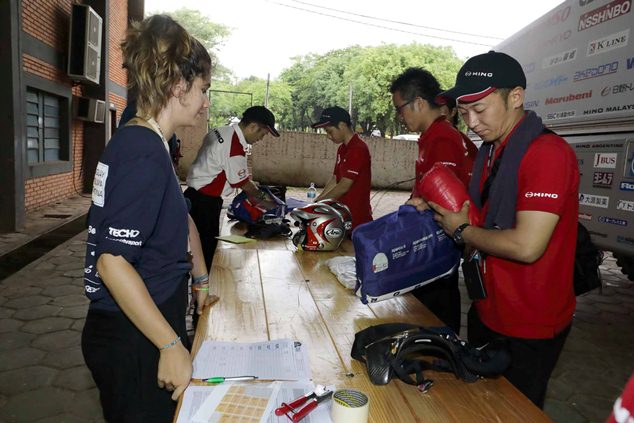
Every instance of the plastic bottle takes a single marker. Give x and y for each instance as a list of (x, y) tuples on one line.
[(312, 192)]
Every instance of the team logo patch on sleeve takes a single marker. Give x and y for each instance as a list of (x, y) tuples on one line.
[(99, 185)]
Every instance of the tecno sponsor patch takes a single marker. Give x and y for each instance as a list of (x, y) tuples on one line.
[(551, 195), (596, 71), (605, 160), (605, 13), (569, 98), (608, 43), (612, 221), (585, 216), (602, 179), (559, 58), (625, 205), (590, 200), (560, 115), (626, 186), (123, 233)]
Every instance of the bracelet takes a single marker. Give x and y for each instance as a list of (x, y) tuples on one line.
[(200, 279), (201, 288), (171, 344)]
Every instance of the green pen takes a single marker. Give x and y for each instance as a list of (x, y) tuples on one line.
[(220, 379)]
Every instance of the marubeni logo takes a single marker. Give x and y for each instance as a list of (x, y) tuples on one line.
[(605, 160), (568, 98), (605, 13), (611, 42), (559, 58)]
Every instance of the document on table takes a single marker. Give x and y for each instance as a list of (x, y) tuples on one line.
[(280, 359), (247, 402)]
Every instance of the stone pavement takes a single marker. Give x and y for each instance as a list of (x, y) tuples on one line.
[(43, 378)]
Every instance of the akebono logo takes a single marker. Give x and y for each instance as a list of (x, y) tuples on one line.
[(569, 98), (605, 13), (552, 195), (601, 70), (611, 42)]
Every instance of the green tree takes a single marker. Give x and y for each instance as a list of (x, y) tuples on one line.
[(210, 34)]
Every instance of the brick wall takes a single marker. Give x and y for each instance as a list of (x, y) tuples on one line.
[(118, 25), (48, 21)]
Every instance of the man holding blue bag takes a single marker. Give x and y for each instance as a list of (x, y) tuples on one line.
[(413, 94)]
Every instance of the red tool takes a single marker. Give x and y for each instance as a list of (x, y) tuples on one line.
[(313, 398)]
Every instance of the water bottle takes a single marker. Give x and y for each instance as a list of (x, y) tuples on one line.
[(312, 192)]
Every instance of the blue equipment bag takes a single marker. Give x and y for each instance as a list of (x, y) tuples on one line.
[(242, 209), (400, 252)]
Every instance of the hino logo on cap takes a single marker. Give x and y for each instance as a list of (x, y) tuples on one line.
[(476, 73), (530, 194)]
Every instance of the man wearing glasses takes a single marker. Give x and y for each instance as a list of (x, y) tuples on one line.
[(413, 94), (220, 167)]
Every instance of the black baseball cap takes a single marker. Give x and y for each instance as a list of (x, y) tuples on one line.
[(263, 116), (331, 116), (483, 74)]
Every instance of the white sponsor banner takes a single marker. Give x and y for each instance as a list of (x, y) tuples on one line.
[(605, 160), (625, 205), (594, 200)]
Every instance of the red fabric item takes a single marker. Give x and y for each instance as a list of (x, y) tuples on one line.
[(353, 162), (442, 143), (623, 410), (537, 300), (443, 187)]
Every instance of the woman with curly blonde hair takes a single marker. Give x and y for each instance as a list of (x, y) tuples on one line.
[(134, 340)]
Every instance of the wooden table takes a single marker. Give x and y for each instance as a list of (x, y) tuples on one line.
[(268, 290)]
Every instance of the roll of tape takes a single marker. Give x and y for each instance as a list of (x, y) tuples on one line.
[(350, 406)]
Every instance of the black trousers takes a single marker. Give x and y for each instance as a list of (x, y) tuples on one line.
[(206, 214), (532, 360), (124, 363), (442, 297)]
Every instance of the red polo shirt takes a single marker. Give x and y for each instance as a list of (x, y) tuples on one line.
[(353, 162), (537, 300), (443, 143)]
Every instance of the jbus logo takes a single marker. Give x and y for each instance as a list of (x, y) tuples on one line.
[(605, 160)]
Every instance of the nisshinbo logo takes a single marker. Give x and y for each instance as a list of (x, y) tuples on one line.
[(123, 233), (541, 195), (485, 74)]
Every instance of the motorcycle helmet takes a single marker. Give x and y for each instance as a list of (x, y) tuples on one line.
[(321, 227), (341, 208)]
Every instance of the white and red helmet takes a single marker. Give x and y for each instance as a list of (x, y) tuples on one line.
[(343, 209), (322, 227)]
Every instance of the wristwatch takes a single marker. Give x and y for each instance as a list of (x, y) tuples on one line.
[(457, 234)]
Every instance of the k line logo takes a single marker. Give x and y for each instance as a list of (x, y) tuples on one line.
[(611, 42), (605, 160)]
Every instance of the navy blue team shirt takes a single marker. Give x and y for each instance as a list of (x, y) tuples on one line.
[(138, 212)]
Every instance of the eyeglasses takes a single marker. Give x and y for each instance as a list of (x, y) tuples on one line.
[(399, 109)]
